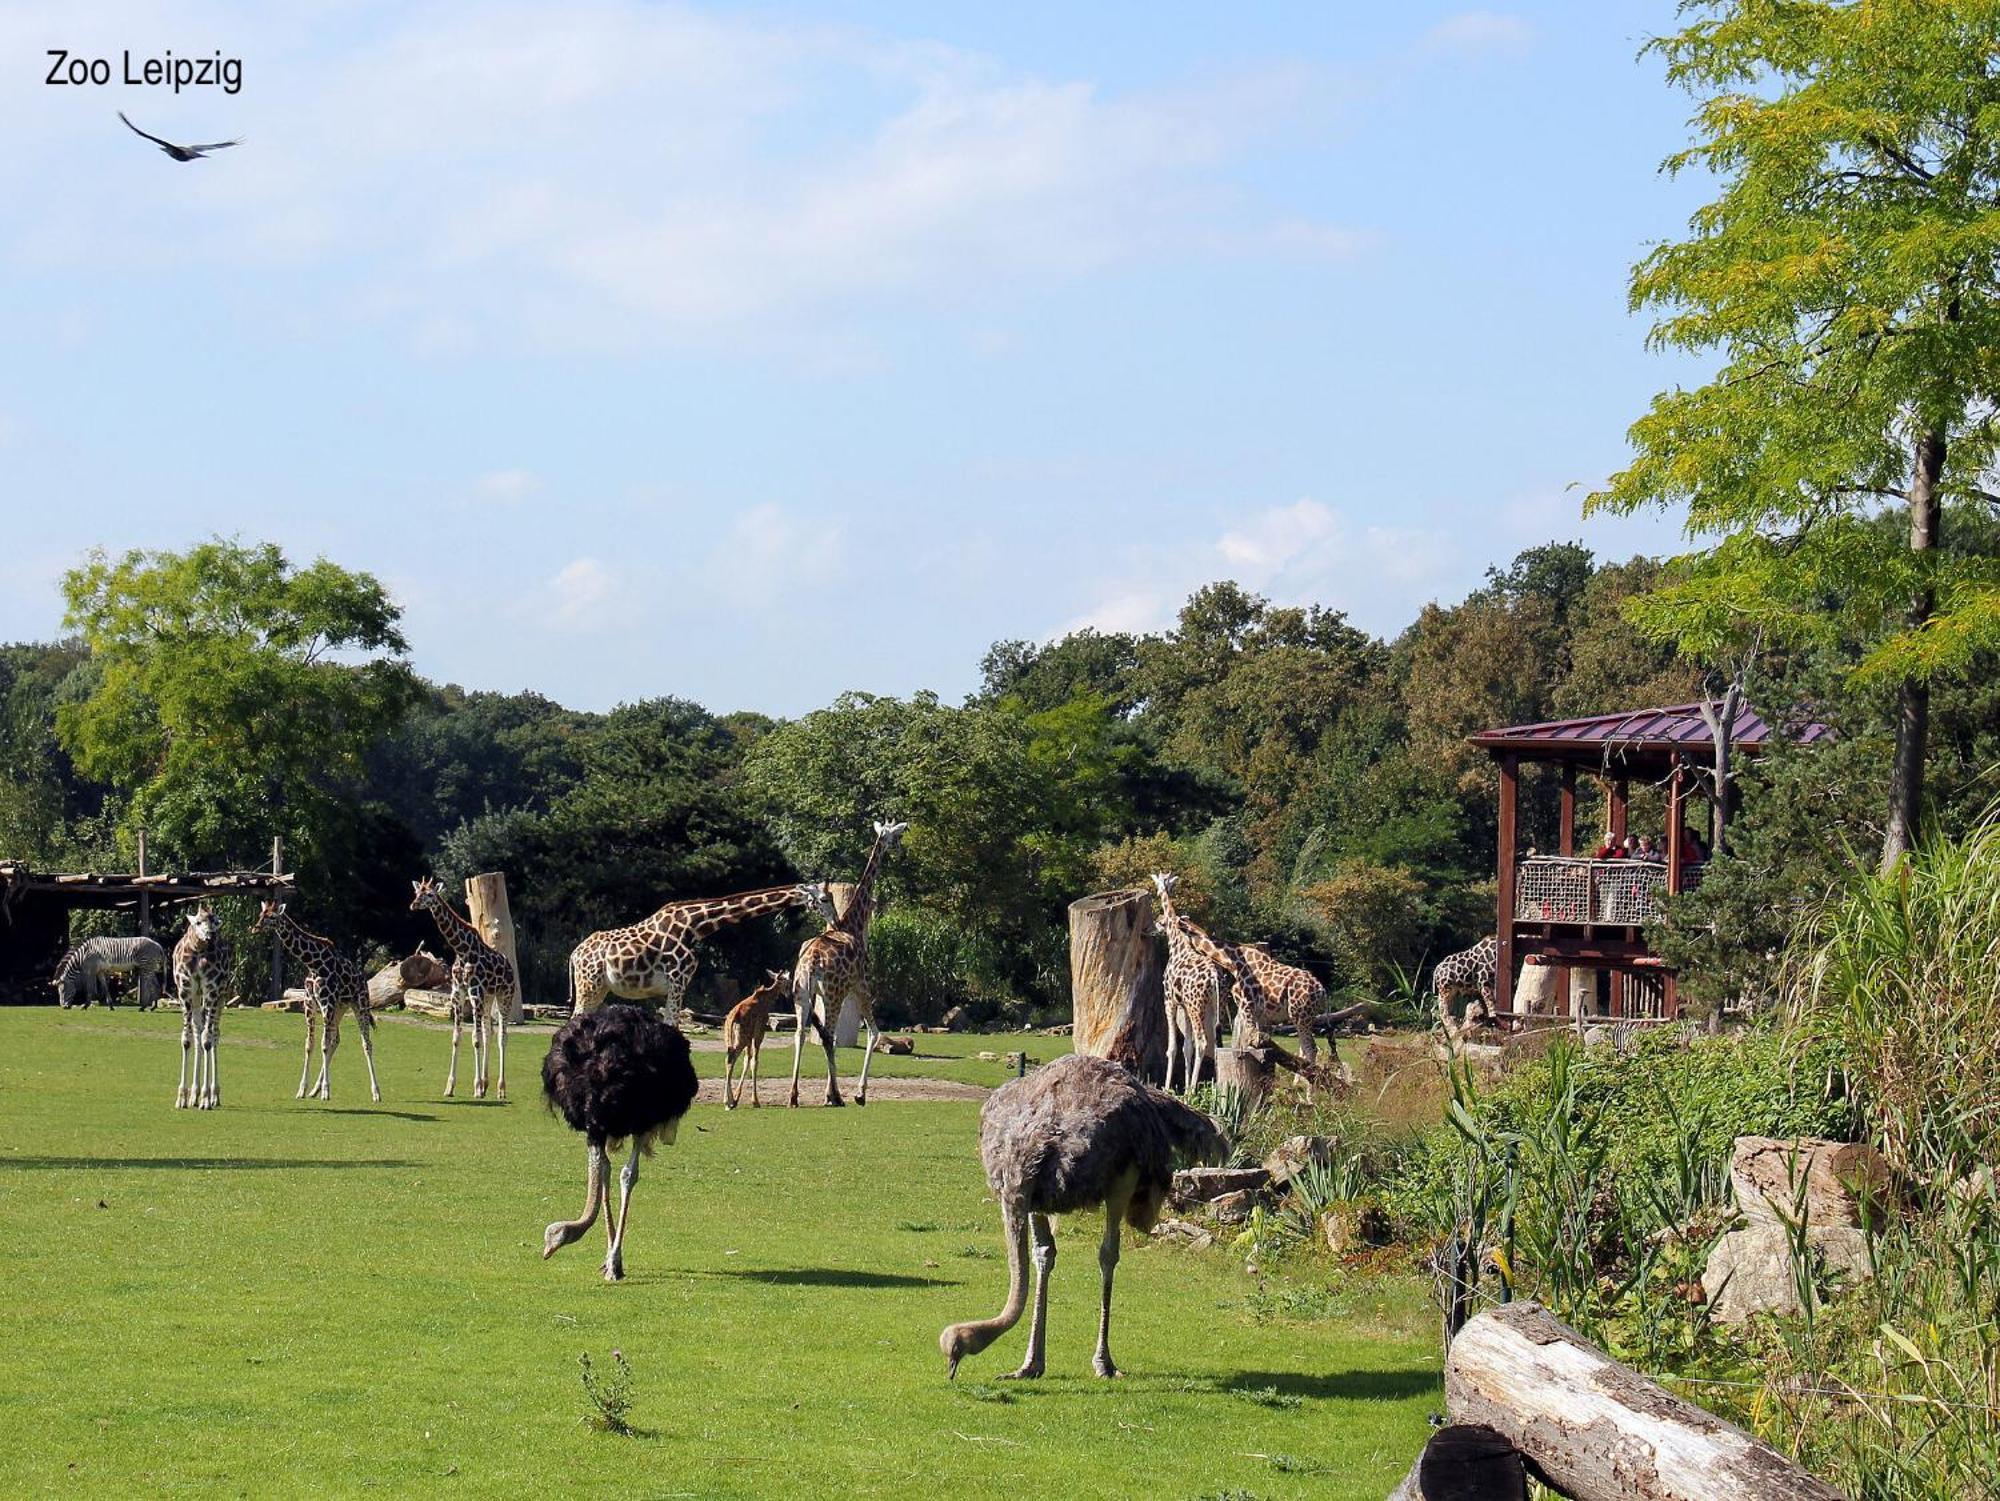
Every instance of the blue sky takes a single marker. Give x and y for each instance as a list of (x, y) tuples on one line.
[(754, 354)]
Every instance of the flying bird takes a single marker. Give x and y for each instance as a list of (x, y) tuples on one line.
[(178, 153)]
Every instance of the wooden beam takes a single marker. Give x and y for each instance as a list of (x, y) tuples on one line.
[(1510, 833), (1566, 838)]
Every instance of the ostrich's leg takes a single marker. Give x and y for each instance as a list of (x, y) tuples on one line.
[(614, 1257), (366, 1022), (866, 1001), (1107, 1263), (1036, 1359), (457, 1026), (562, 1232), (312, 1023), (183, 1096)]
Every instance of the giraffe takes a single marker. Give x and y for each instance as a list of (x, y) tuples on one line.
[(655, 959), (1300, 995), (833, 967), (1196, 965), (743, 1035), (1472, 972), (201, 974), (334, 983), (482, 984)]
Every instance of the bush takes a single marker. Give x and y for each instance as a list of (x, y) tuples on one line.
[(921, 965)]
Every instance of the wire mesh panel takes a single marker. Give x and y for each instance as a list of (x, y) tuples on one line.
[(1615, 893)]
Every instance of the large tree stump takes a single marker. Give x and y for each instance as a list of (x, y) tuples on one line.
[(1249, 1071), (1599, 1431), (1115, 970), (486, 905)]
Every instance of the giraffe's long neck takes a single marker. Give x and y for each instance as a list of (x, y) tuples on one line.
[(464, 938), (698, 919), (1178, 948), (861, 906), (307, 948)]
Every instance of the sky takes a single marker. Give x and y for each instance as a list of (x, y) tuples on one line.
[(753, 354)]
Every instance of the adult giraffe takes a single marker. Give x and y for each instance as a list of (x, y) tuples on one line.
[(654, 960), (482, 982), (833, 967), (1196, 964)]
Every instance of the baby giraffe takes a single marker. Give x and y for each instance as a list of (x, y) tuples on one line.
[(743, 1034)]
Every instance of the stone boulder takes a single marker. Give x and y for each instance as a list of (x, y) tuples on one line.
[(1294, 1154), (1764, 1174), (1203, 1185), (1355, 1224), (1183, 1233), (1233, 1208), (1750, 1271)]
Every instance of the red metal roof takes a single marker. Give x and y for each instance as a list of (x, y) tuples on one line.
[(1675, 727)]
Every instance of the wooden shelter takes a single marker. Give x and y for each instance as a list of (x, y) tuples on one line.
[(1574, 911), (35, 908)]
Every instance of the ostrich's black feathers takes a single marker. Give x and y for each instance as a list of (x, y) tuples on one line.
[(619, 1073), (1052, 1141)]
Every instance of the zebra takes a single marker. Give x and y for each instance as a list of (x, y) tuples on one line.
[(82, 975)]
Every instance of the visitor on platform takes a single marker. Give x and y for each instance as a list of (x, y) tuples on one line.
[(1611, 849), (1649, 851), (1692, 852)]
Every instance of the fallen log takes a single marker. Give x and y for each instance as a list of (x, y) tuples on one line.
[(1598, 1431)]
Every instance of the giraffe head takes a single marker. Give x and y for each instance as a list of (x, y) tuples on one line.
[(777, 985), (267, 916), (426, 896), (818, 896), (889, 833), (201, 923)]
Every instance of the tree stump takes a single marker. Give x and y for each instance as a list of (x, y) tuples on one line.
[(1249, 1071), (486, 905), (1598, 1431), (1115, 973), (1465, 1462)]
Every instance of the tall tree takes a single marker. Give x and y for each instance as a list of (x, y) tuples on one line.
[(236, 695), (1848, 273)]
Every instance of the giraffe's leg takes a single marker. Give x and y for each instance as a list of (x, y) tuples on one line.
[(756, 1052), (312, 1024), (329, 1039), (614, 1258), (477, 994), (365, 1020), (184, 1096), (1107, 1263), (831, 1014), (212, 1038), (1036, 1359), (866, 1000), (803, 1011), (500, 1044), (457, 1026), (729, 1078)]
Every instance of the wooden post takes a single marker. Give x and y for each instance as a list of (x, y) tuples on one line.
[(1599, 1431), (275, 990), (1670, 998), (145, 897), (1115, 973), (486, 906), (847, 1028), (1566, 836), (1620, 793), (1503, 978)]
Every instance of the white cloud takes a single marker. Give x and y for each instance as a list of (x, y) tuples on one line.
[(507, 486), (579, 593), (1479, 31), (771, 548), (622, 173)]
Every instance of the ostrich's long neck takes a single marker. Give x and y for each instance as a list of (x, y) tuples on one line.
[(979, 1333)]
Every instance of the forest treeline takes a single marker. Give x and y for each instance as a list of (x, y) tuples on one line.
[(1311, 783)]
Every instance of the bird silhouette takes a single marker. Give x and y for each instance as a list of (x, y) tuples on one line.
[(178, 153)]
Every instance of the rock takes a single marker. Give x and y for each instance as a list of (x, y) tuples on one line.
[(1066, 1029), (1183, 1233), (1233, 1208), (1837, 1176), (898, 1045), (1200, 1185), (1750, 1271), (953, 1019), (1353, 1225), (1294, 1153), (987, 1057), (1977, 1184)]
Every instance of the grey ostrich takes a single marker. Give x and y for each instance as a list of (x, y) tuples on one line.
[(1079, 1132), (617, 1074)]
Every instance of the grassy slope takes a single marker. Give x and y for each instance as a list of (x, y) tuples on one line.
[(287, 1297)]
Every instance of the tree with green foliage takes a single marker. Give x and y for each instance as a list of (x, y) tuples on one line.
[(234, 695), (1848, 274)]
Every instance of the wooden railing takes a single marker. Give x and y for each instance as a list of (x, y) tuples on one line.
[(1585, 893)]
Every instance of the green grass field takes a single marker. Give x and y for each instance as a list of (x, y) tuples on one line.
[(286, 1298)]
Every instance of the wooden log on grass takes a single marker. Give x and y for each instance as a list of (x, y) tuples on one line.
[(1598, 1431), (486, 906), (1115, 973)]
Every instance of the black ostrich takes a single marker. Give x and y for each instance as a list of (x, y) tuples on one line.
[(617, 1074)]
